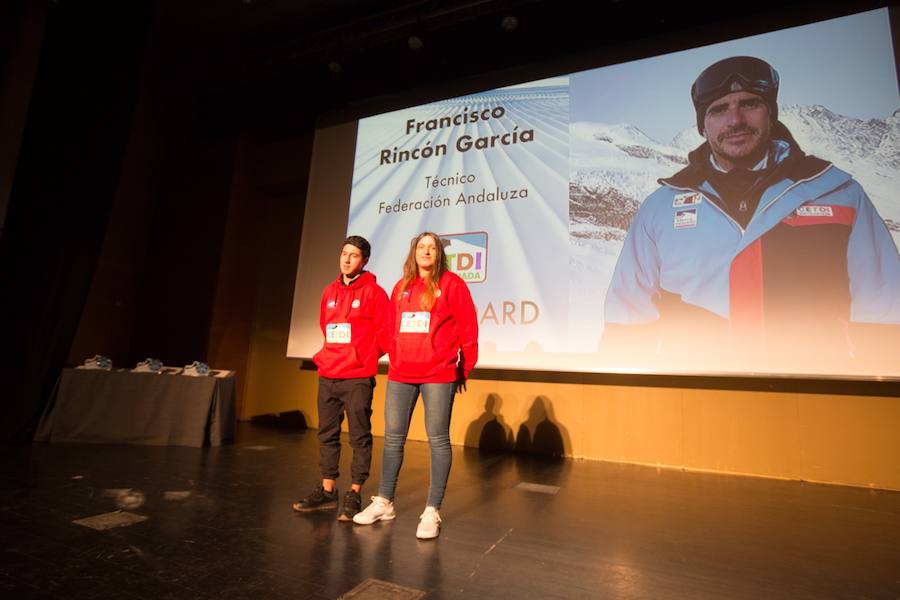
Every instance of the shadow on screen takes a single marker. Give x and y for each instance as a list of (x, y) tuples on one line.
[(540, 434), (489, 432)]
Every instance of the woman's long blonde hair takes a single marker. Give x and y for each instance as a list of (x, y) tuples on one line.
[(411, 270)]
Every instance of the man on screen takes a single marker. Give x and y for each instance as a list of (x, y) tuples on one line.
[(755, 256), (356, 318)]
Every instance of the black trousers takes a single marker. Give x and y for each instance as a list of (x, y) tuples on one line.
[(353, 397)]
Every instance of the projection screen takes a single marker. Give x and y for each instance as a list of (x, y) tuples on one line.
[(549, 201)]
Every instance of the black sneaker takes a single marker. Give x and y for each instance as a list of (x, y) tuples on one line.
[(352, 505), (318, 500)]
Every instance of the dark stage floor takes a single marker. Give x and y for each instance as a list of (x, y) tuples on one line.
[(219, 525)]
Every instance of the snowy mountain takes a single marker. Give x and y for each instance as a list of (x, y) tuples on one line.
[(614, 167), (687, 139), (869, 150)]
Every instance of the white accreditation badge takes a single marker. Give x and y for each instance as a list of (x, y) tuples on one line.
[(415, 322), (337, 333)]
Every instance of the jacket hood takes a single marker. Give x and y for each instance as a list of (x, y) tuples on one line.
[(364, 278), (799, 163)]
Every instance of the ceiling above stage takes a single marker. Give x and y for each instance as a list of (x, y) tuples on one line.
[(265, 58)]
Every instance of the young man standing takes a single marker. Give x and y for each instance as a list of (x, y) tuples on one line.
[(357, 320)]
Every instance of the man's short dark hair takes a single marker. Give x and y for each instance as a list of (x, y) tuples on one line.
[(361, 243)]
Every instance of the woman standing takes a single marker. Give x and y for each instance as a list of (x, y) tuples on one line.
[(435, 347)]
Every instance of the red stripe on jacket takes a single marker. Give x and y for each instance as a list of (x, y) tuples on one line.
[(840, 215), (746, 297)]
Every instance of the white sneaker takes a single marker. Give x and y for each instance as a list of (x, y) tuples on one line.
[(429, 524), (381, 509)]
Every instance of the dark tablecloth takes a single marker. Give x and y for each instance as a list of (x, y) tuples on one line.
[(121, 407)]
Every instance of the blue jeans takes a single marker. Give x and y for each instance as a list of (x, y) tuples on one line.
[(399, 402)]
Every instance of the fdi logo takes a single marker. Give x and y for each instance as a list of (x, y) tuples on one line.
[(467, 255)]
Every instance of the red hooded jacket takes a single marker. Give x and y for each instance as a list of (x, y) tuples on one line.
[(436, 346), (356, 320)]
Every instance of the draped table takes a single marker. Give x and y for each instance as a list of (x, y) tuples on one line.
[(122, 407)]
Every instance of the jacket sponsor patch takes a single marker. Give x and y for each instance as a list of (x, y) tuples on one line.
[(685, 218), (355, 303), (331, 303), (815, 211), (820, 214), (688, 199)]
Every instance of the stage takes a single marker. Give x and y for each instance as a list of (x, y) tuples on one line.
[(217, 523)]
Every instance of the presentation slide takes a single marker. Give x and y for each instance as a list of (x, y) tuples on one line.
[(600, 230)]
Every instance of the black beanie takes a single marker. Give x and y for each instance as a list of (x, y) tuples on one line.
[(735, 74)]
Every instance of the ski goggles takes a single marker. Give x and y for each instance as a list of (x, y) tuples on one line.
[(749, 73)]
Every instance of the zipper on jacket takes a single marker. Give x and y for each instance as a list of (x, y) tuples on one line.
[(759, 211), (714, 204), (792, 186)]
